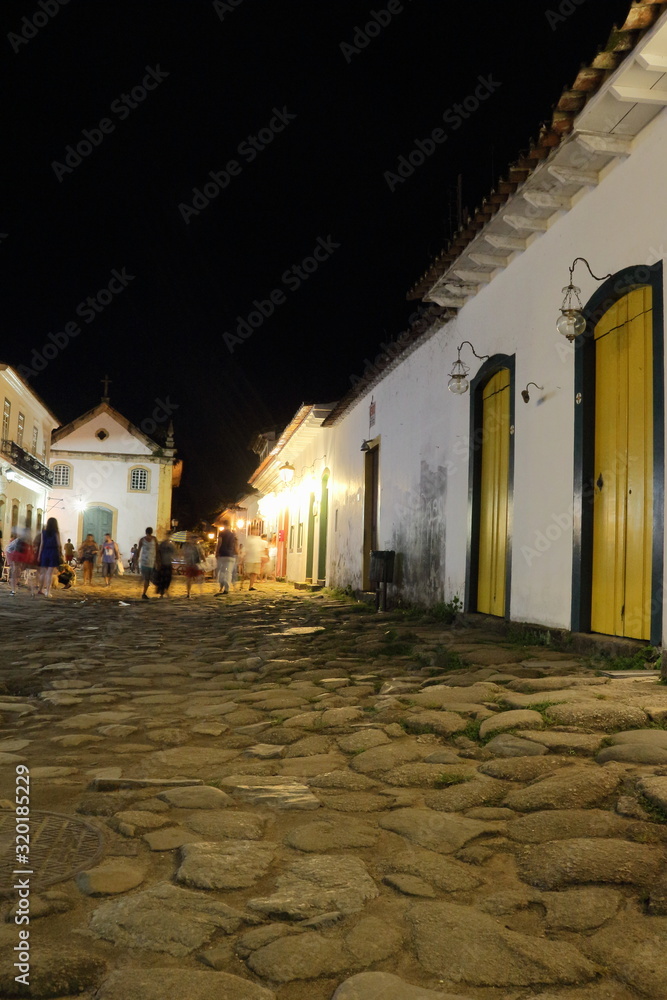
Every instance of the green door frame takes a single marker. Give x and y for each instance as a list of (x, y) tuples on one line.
[(476, 443), (584, 443)]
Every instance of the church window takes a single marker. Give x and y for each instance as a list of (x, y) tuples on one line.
[(62, 475), (139, 480), (101, 435)]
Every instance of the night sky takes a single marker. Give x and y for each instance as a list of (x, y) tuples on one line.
[(302, 119)]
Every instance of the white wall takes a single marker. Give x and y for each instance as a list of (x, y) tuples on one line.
[(424, 429), (102, 479)]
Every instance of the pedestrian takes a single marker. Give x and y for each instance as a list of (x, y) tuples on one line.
[(225, 555), (254, 550), (49, 556), (14, 556), (133, 559), (147, 559), (191, 560), (265, 558), (87, 554), (110, 557), (166, 553), (68, 549)]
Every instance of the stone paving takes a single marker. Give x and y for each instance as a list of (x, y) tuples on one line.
[(300, 800)]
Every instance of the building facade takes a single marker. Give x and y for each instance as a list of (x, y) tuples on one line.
[(534, 491), (25, 477), (110, 476)]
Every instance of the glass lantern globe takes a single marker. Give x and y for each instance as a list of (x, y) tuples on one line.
[(458, 384), (571, 324)]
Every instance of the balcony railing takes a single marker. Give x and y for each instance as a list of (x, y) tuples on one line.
[(25, 462)]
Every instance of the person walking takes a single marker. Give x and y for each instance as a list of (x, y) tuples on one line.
[(166, 553), (192, 558), (14, 554), (87, 554), (68, 549), (49, 555), (254, 550), (225, 555), (133, 559), (147, 559), (110, 557)]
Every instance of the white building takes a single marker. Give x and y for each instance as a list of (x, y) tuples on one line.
[(537, 493), (25, 476), (548, 510), (110, 476)]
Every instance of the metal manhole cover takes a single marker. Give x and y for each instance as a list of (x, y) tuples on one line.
[(60, 847)]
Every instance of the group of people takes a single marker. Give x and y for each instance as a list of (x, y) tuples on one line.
[(43, 554), (152, 559), (228, 553)]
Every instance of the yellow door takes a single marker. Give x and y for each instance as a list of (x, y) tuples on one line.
[(623, 500), (493, 495)]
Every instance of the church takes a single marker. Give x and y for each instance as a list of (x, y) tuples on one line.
[(109, 476)]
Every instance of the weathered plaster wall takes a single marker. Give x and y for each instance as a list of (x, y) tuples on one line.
[(424, 430)]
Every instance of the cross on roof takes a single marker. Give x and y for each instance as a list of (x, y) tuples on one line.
[(106, 380)]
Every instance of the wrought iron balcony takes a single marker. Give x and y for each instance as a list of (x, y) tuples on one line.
[(27, 463)]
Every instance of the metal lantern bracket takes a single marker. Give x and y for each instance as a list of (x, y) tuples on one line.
[(458, 377)]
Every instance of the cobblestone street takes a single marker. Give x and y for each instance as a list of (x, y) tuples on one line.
[(282, 796)]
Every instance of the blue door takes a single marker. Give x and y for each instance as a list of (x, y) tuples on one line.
[(97, 521)]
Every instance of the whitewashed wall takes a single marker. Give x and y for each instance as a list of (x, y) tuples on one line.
[(100, 477), (424, 429)]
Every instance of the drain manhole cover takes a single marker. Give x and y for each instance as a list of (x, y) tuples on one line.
[(60, 847)]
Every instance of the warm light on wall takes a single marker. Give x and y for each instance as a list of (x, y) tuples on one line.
[(268, 507), (240, 524)]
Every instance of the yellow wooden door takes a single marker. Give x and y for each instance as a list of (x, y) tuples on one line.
[(623, 500), (494, 494)]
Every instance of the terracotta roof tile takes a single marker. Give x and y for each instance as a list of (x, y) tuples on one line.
[(642, 15)]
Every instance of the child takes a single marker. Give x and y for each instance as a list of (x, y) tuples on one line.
[(66, 576)]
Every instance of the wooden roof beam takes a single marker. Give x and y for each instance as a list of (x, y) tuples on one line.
[(502, 242), (639, 95), (547, 199), (525, 223), (570, 175), (489, 260), (613, 145), (472, 278)]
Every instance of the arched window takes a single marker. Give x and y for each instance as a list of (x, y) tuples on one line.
[(38, 526), (140, 480), (62, 475), (28, 517), (15, 513)]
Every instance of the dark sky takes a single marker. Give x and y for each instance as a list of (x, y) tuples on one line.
[(220, 73)]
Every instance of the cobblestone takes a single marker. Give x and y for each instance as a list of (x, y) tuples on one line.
[(292, 814)]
